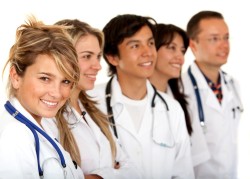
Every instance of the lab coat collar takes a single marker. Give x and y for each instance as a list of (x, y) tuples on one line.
[(116, 92), (227, 90), (24, 112), (201, 81), (116, 99), (14, 101), (118, 107), (211, 99)]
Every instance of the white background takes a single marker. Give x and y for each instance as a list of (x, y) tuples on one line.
[(98, 12)]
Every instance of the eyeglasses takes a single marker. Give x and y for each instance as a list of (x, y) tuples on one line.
[(215, 39)]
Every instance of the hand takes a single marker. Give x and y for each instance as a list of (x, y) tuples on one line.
[(92, 176), (117, 165)]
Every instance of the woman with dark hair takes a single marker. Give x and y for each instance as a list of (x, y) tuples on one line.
[(171, 45)]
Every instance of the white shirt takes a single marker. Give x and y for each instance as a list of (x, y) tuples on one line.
[(214, 151), (18, 156), (94, 147), (158, 128)]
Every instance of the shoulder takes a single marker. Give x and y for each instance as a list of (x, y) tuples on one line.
[(14, 133), (98, 91), (171, 102), (228, 77)]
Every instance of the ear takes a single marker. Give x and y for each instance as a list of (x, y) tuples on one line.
[(192, 45), (14, 78), (114, 60)]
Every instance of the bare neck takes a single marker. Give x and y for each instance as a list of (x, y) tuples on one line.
[(211, 72), (133, 88), (159, 81)]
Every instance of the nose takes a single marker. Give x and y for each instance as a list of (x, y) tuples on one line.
[(55, 90), (96, 64), (225, 42), (180, 57), (149, 50)]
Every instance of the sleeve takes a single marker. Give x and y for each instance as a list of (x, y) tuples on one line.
[(183, 167), (127, 167), (17, 153)]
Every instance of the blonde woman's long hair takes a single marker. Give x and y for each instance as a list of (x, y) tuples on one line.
[(35, 38), (79, 29)]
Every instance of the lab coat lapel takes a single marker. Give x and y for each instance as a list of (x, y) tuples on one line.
[(227, 93), (156, 119), (121, 115), (205, 91)]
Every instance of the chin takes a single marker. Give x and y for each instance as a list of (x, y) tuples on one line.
[(50, 115)]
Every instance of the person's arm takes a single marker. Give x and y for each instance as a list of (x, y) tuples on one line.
[(92, 176)]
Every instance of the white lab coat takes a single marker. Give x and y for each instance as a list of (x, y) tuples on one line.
[(94, 147), (158, 128), (215, 150), (18, 156)]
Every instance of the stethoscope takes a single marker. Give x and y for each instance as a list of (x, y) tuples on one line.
[(34, 129), (74, 124), (110, 111), (198, 98)]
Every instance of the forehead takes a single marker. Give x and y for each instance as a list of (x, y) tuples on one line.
[(213, 26), (142, 34), (87, 40)]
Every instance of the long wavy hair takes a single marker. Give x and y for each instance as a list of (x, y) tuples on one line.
[(79, 29)]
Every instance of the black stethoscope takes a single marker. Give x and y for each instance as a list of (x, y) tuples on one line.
[(109, 108), (34, 129), (198, 98)]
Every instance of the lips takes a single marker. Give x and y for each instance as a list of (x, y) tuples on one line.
[(176, 65), (49, 103), (222, 54), (146, 64)]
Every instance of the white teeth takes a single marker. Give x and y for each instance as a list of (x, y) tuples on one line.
[(91, 76), (222, 54), (146, 64), (49, 103), (176, 65)]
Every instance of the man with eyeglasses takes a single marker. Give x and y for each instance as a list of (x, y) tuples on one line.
[(213, 98)]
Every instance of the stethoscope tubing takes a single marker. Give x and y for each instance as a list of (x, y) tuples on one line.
[(198, 98), (16, 114), (109, 108)]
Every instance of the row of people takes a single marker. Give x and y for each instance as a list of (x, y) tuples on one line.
[(155, 126)]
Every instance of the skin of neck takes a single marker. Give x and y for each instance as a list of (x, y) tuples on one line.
[(160, 81), (133, 88), (211, 72)]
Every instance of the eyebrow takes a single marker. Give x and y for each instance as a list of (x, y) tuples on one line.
[(136, 41), (87, 52), (216, 34), (48, 74)]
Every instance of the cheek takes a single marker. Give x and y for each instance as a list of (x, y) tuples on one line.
[(162, 59), (66, 91), (84, 66)]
